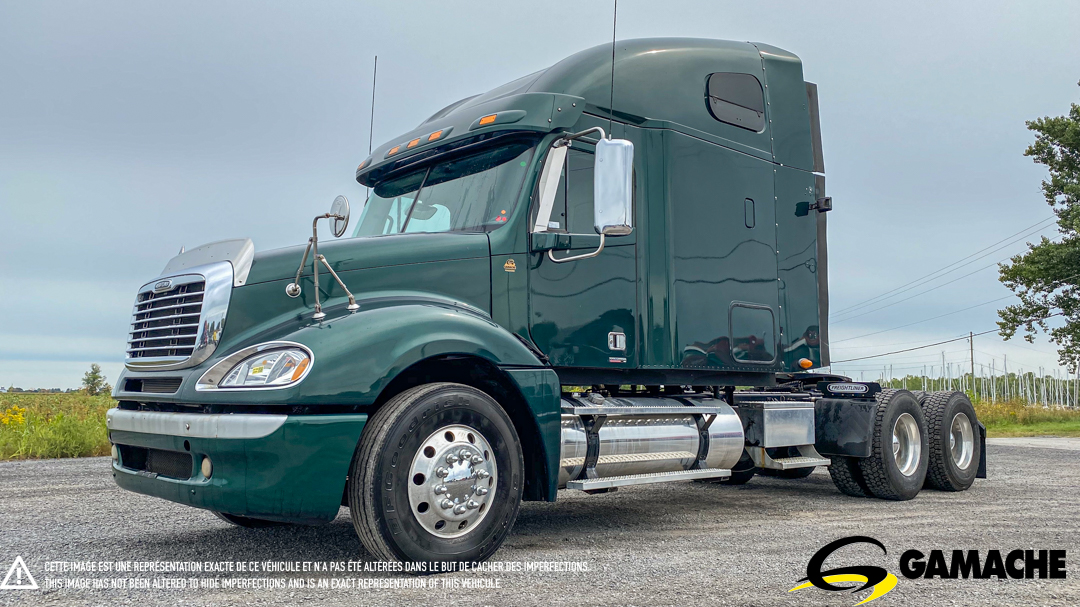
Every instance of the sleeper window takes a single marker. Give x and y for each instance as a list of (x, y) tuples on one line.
[(736, 99)]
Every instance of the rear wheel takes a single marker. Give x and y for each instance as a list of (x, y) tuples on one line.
[(437, 477), (896, 468), (954, 448), (847, 476), (247, 522)]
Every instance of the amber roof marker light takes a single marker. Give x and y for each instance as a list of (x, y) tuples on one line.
[(488, 119)]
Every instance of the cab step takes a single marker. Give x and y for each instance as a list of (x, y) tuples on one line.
[(808, 458), (594, 484), (789, 463)]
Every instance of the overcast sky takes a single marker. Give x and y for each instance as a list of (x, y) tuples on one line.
[(129, 129)]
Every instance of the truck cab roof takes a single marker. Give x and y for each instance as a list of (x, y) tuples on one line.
[(658, 83)]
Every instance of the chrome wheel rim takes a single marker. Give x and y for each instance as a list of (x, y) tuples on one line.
[(906, 444), (452, 481), (961, 441)]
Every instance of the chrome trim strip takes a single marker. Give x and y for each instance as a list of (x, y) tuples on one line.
[(218, 372), (195, 425)]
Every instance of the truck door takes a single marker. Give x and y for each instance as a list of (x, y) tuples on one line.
[(582, 313)]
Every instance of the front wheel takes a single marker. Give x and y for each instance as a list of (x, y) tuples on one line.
[(437, 477)]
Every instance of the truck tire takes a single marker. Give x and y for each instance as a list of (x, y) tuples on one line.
[(246, 521), (847, 476), (896, 468), (437, 477), (954, 446), (921, 396), (741, 472)]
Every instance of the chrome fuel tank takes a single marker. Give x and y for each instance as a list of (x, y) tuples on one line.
[(645, 440)]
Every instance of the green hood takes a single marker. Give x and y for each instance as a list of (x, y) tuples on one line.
[(373, 252)]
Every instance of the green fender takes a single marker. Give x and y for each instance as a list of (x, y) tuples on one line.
[(357, 355)]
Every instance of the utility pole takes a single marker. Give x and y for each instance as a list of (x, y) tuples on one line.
[(971, 346)]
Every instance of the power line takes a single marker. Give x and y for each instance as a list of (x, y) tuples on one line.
[(944, 284), (946, 269), (970, 335), (899, 343), (916, 347), (926, 319), (1053, 285)]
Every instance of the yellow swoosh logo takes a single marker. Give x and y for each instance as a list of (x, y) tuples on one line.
[(880, 590)]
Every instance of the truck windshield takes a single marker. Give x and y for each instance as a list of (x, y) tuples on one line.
[(474, 193)]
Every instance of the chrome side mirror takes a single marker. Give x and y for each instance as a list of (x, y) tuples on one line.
[(613, 187), (339, 216)]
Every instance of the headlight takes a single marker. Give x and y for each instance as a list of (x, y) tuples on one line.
[(274, 368)]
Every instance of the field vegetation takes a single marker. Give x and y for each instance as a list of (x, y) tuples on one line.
[(34, 426)]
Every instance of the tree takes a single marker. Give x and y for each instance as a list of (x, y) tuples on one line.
[(1046, 277), (93, 381)]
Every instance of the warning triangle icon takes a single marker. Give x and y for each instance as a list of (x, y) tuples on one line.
[(18, 577)]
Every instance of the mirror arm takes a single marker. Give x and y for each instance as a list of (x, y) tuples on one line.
[(566, 140), (293, 289), (552, 257), (352, 300)]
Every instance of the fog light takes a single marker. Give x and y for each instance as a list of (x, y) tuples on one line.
[(207, 467), (115, 454)]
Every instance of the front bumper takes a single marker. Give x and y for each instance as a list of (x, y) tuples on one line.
[(288, 468)]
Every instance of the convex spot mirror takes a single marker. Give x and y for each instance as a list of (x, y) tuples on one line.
[(613, 187), (339, 216)]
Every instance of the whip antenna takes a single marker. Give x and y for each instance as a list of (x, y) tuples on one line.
[(371, 123), (611, 95)]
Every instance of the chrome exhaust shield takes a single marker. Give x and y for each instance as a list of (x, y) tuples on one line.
[(642, 443)]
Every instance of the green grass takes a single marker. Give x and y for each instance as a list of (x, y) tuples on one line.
[(1015, 418), (34, 426)]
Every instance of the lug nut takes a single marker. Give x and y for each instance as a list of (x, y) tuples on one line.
[(440, 472), (464, 454), (446, 504), (440, 489), (482, 490), (476, 459), (460, 509), (471, 505), (451, 458), (482, 474)]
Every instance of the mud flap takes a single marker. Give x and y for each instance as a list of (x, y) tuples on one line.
[(982, 452)]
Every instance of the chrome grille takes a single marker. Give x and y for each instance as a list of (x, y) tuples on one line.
[(177, 320), (167, 322)]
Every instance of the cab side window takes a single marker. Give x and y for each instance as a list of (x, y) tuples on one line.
[(573, 208)]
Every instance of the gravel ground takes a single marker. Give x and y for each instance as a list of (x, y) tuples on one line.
[(674, 544)]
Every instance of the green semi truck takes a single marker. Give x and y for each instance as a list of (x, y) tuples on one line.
[(599, 275)]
